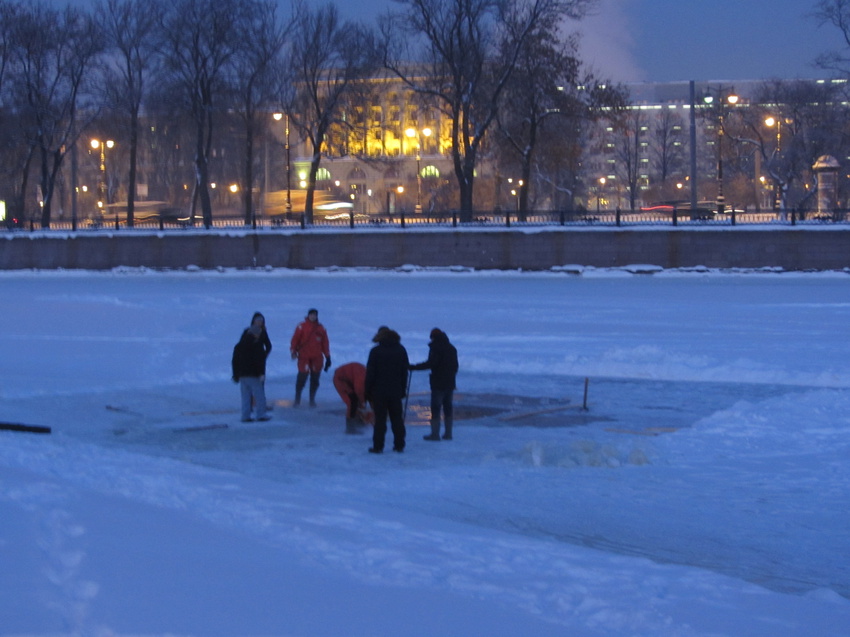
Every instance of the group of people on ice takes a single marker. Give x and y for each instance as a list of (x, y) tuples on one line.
[(372, 393)]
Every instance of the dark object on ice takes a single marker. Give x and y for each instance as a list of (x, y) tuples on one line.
[(32, 429), (201, 428)]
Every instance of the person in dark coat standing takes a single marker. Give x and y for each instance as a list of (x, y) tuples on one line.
[(442, 361), (386, 386), (249, 370)]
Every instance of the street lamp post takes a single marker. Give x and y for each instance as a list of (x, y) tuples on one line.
[(599, 193), (102, 188), (770, 122), (722, 100), (278, 117), (692, 117), (288, 172), (265, 202), (412, 132), (515, 192)]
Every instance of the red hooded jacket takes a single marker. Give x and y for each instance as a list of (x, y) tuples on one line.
[(310, 341)]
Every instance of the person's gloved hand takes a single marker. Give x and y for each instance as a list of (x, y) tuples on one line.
[(327, 363)]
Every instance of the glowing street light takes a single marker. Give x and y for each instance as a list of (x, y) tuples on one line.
[(102, 190), (519, 185), (602, 181), (770, 121), (722, 100), (278, 117), (412, 132)]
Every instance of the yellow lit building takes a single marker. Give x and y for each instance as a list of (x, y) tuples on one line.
[(388, 154)]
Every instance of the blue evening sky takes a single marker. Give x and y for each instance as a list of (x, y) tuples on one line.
[(671, 40), (661, 40)]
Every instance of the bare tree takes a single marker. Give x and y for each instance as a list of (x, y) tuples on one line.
[(9, 140), (837, 14), (789, 126), (201, 38), (542, 88), (665, 145), (630, 129), (131, 30), (53, 51), (166, 146), (8, 14), (255, 71), (469, 49), (546, 100), (327, 58)]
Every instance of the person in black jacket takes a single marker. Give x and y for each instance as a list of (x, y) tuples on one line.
[(386, 386), (442, 361), (260, 321), (249, 370)]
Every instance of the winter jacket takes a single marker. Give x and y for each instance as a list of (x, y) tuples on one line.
[(387, 368), (264, 337), (249, 357), (442, 361), (350, 379), (266, 342), (310, 341)]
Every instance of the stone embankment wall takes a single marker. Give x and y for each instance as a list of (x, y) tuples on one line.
[(806, 248)]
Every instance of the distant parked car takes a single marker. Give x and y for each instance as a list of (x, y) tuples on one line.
[(705, 210)]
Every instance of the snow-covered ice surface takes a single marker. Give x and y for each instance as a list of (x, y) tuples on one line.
[(703, 492)]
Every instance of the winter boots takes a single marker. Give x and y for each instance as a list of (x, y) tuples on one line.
[(435, 430), (301, 381), (353, 426)]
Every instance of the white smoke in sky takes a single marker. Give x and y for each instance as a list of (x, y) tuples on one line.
[(607, 42)]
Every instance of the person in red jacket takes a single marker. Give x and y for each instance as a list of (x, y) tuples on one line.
[(311, 348), (350, 384)]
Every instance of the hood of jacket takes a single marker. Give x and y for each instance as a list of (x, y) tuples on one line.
[(387, 337)]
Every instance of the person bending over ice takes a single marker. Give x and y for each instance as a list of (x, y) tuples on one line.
[(350, 383)]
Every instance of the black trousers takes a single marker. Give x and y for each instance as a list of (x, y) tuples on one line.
[(301, 380), (354, 404), (392, 408)]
